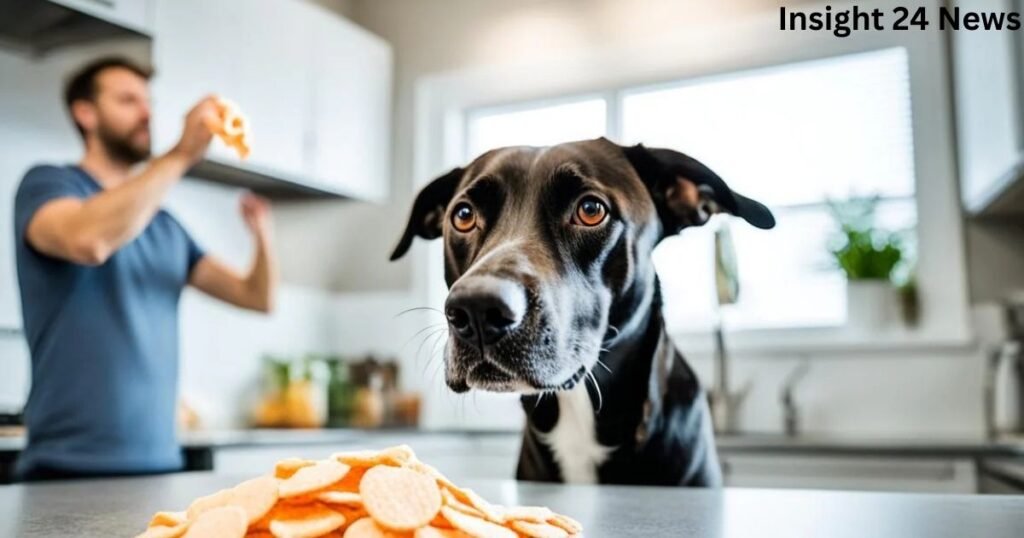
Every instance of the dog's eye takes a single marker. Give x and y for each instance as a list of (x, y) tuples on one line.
[(463, 218), (590, 212)]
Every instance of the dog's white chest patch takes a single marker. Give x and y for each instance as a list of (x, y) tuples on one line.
[(573, 440)]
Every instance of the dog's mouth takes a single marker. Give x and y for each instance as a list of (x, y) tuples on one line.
[(537, 356), (487, 376), (570, 383)]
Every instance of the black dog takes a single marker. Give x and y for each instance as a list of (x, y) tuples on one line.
[(548, 263)]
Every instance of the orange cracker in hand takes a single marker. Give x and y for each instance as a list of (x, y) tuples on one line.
[(231, 126)]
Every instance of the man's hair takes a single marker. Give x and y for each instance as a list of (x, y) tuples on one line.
[(81, 86)]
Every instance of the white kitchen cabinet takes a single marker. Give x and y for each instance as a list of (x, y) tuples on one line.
[(271, 79), (987, 91), (211, 46), (187, 65), (316, 89), (351, 100), (945, 475), (135, 15)]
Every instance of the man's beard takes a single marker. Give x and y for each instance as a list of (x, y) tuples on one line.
[(121, 148)]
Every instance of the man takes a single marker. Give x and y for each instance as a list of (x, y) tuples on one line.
[(101, 268)]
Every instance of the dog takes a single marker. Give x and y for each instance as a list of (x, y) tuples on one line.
[(551, 285)]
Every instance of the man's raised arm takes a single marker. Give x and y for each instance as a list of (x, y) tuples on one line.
[(88, 231), (255, 289)]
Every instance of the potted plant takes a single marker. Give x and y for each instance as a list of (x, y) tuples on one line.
[(872, 259)]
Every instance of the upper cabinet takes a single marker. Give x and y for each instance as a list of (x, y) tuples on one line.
[(39, 26), (210, 46), (316, 90), (350, 130), (988, 71), (132, 14)]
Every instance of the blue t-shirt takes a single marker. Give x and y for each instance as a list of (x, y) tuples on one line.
[(103, 340)]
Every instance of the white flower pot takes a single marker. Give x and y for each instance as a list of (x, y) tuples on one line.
[(870, 305)]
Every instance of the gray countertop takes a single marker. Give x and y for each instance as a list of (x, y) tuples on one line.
[(865, 446), (242, 438), (808, 444), (122, 507)]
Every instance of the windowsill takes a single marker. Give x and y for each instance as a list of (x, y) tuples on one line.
[(823, 340)]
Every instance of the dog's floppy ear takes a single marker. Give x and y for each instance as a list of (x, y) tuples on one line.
[(428, 210), (687, 193)]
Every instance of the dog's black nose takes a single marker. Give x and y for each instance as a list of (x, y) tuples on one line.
[(482, 309)]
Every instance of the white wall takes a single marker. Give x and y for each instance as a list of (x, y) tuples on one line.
[(221, 346), (342, 7), (913, 393)]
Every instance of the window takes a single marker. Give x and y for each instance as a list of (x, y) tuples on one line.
[(791, 137), (534, 125)]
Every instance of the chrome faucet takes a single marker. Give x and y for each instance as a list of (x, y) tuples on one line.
[(723, 401), (790, 411)]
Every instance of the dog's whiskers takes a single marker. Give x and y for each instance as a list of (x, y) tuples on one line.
[(597, 387), (603, 365), (421, 331), (433, 381), (540, 396), (432, 354), (419, 349), (476, 406), (415, 308), (433, 348)]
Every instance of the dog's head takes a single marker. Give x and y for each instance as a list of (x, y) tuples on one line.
[(547, 249)]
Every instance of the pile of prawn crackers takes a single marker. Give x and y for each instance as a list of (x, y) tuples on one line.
[(386, 494)]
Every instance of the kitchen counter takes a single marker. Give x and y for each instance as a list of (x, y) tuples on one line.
[(1008, 473), (753, 442), (268, 437), (809, 444), (921, 447), (205, 451), (946, 465), (740, 443), (329, 436), (123, 507)]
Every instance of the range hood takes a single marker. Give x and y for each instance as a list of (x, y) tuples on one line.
[(39, 26)]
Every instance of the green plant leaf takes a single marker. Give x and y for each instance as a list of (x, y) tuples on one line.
[(861, 250)]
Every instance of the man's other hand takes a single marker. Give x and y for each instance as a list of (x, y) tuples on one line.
[(254, 290), (256, 213)]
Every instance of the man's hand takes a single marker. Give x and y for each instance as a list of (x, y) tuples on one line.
[(88, 231), (196, 135), (254, 290), (256, 214)]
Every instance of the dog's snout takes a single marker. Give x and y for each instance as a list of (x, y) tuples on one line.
[(482, 309)]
